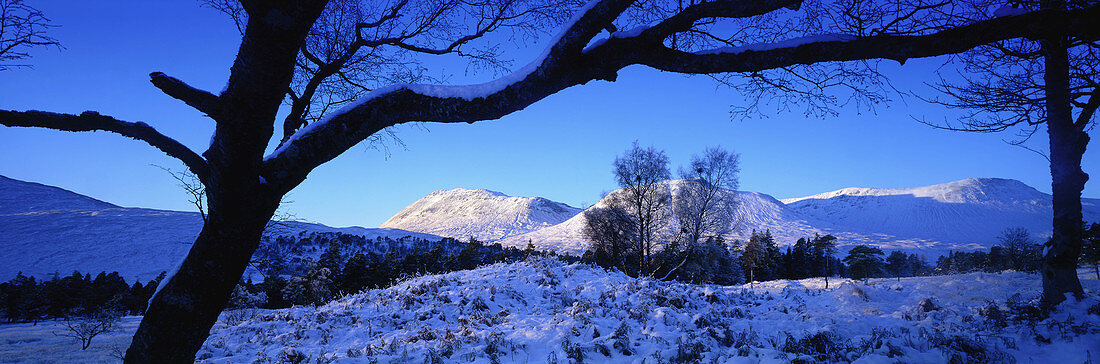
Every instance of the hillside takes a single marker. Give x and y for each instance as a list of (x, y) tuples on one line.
[(970, 212), (548, 311), (484, 215), (48, 229)]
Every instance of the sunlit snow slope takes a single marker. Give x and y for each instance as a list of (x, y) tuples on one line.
[(47, 229), (485, 215), (966, 213), (540, 311)]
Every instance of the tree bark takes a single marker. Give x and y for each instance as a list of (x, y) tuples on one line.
[(1067, 146), (181, 314)]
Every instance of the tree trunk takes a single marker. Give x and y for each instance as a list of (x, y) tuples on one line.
[(180, 316), (1067, 146)]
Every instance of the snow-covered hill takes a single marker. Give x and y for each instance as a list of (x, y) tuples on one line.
[(966, 213), (962, 215), (47, 229), (485, 215), (543, 310)]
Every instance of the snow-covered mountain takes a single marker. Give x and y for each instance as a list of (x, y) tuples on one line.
[(966, 213), (482, 214), (961, 215), (47, 229)]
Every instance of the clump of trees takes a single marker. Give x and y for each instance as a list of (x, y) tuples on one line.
[(813, 257), (25, 299), (675, 230), (1016, 251)]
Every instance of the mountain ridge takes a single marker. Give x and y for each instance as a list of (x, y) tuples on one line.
[(51, 230)]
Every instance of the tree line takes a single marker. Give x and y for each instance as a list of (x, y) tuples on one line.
[(26, 299), (351, 263), (348, 264)]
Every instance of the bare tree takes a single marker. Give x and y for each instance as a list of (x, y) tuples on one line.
[(190, 183), (22, 28), (1023, 84), (85, 327), (706, 203), (610, 229), (244, 186), (645, 199)]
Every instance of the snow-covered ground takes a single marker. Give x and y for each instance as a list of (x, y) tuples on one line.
[(547, 311), (544, 311), (29, 343)]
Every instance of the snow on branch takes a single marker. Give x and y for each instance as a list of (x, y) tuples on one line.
[(92, 121), (196, 98)]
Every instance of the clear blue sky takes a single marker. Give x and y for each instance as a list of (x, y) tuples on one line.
[(560, 148)]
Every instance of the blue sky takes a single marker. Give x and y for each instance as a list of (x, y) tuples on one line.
[(560, 148)]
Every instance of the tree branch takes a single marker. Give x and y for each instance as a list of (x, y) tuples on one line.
[(92, 121), (200, 100), (1088, 111), (567, 65)]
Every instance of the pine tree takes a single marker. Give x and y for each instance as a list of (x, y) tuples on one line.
[(824, 247), (529, 250), (897, 263), (864, 262), (354, 277)]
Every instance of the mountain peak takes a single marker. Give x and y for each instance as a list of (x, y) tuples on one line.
[(482, 214), (479, 192)]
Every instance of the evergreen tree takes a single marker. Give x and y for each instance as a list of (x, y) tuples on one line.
[(761, 256), (314, 288), (355, 274), (332, 259), (529, 250), (823, 262), (897, 263), (998, 260), (864, 262), (917, 264)]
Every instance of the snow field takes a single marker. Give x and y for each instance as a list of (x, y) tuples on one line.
[(29, 343), (543, 310)]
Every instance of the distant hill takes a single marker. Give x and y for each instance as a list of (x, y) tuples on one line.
[(482, 214), (45, 229), (970, 212)]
